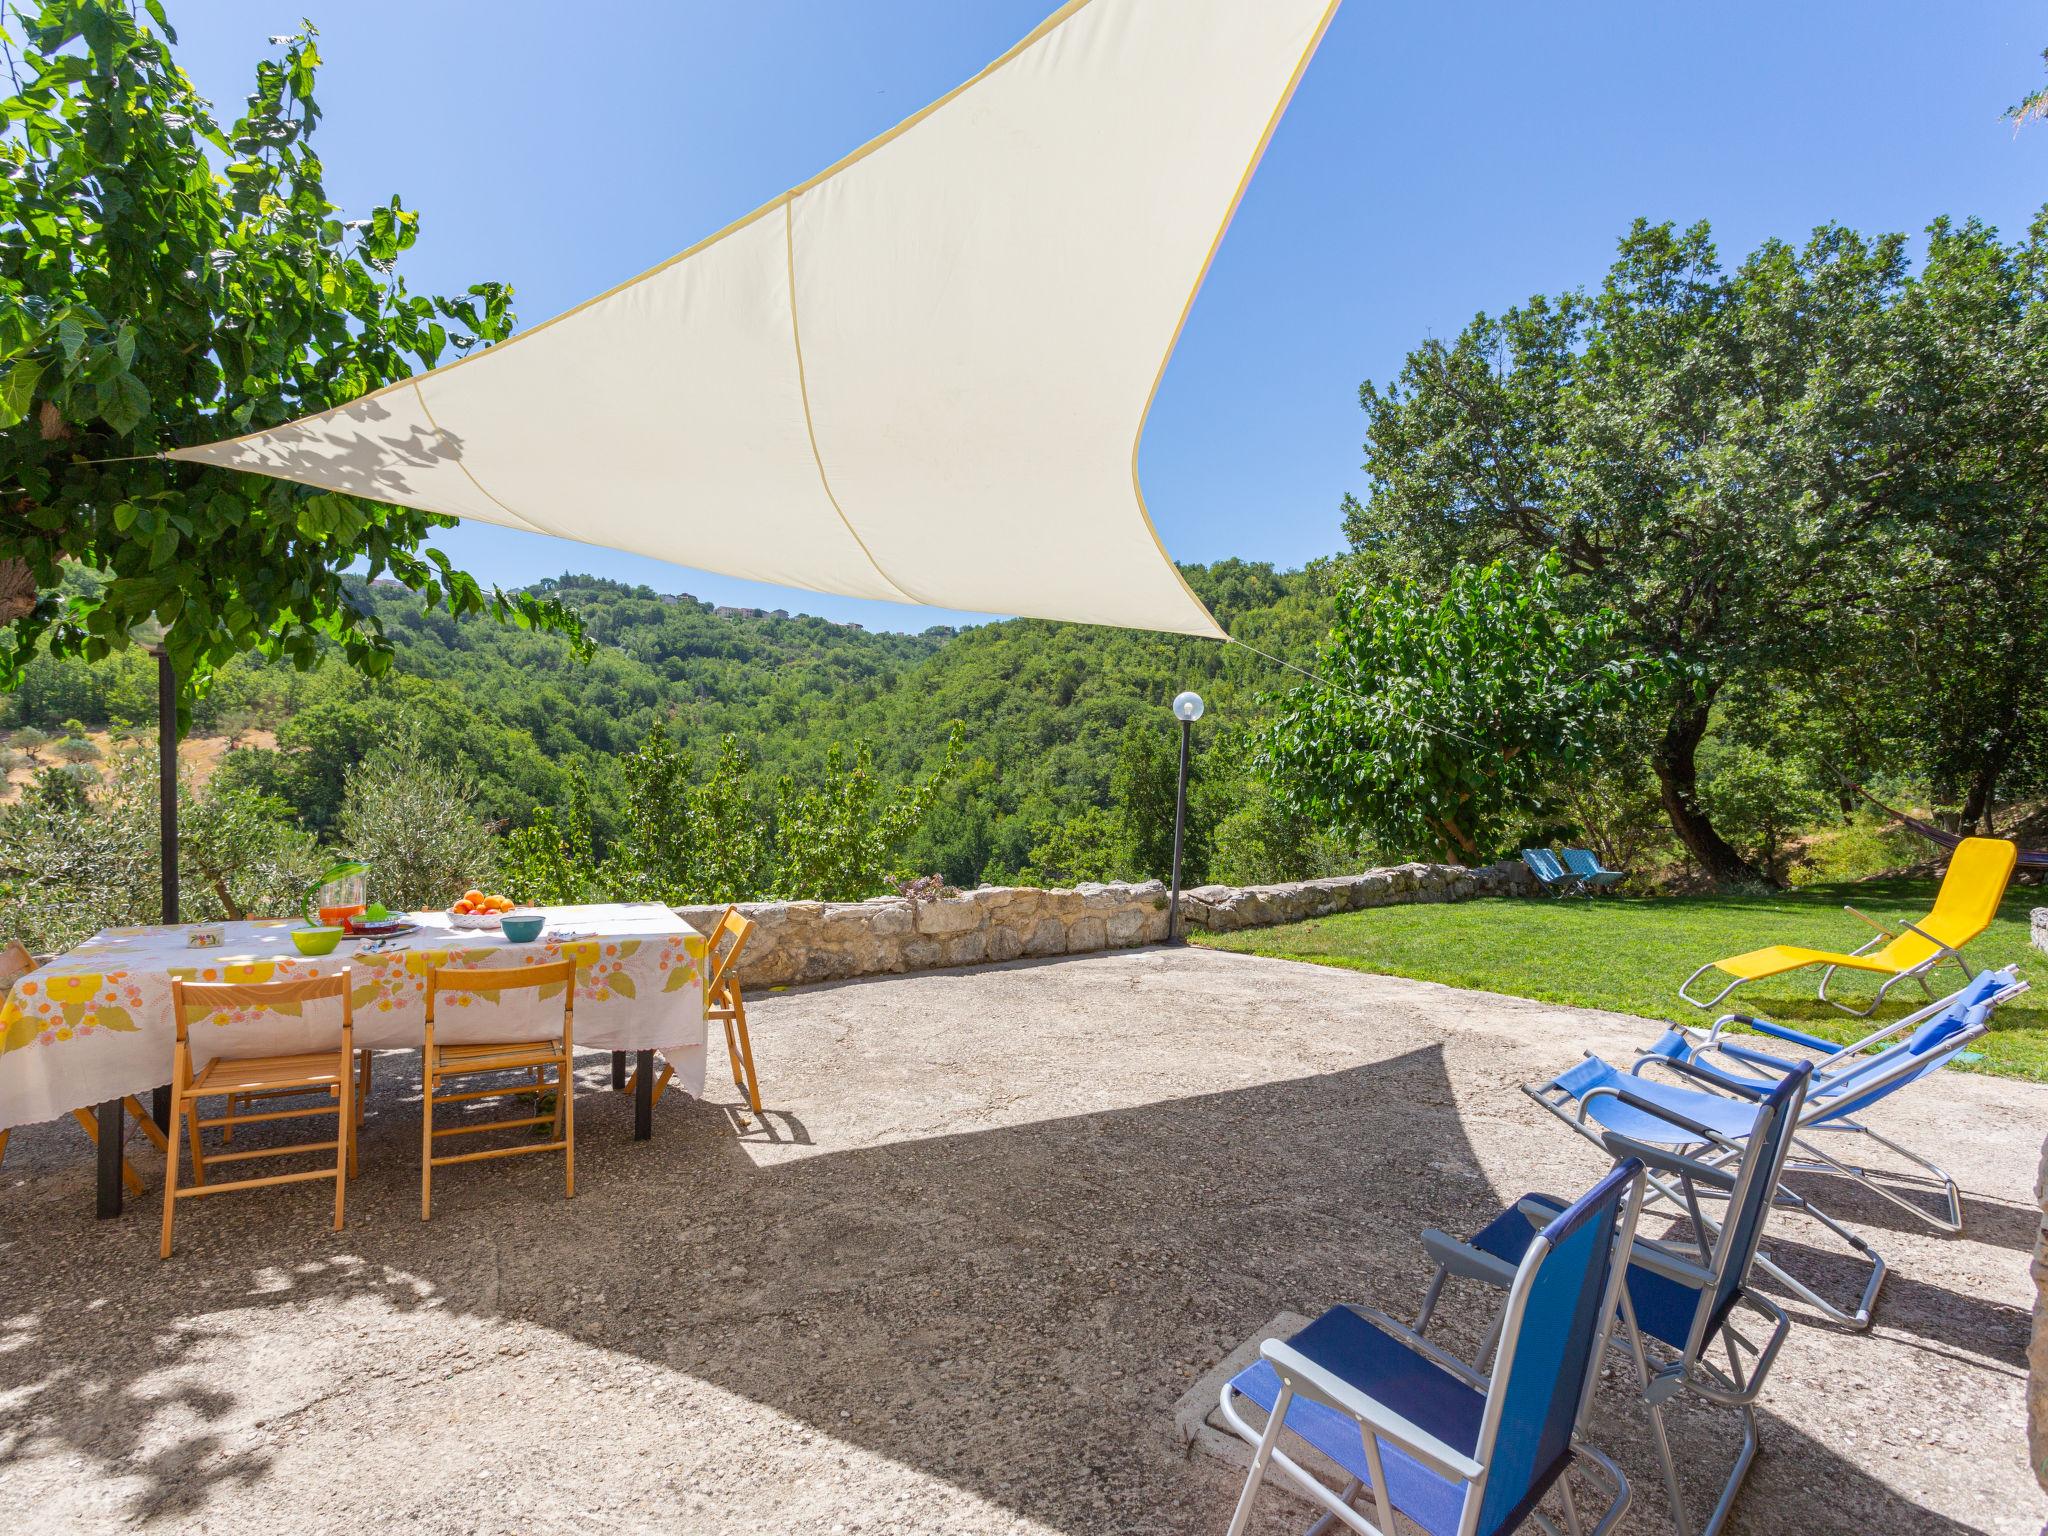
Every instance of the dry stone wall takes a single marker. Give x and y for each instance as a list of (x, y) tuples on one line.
[(806, 941)]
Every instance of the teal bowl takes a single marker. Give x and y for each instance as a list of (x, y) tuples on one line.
[(317, 941), (522, 927)]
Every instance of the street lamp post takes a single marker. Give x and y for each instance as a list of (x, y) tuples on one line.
[(1187, 709)]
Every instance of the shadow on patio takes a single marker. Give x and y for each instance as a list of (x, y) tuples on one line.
[(1010, 1311)]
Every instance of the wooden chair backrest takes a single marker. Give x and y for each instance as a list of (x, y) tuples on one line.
[(493, 980), (204, 997), (739, 928), (15, 963)]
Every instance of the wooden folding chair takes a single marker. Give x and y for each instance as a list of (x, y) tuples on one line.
[(236, 1077), (466, 1038), (723, 1002), (15, 963)]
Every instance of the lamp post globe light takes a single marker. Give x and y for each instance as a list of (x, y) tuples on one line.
[(1187, 709)]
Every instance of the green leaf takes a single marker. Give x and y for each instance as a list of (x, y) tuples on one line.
[(18, 390), (128, 405)]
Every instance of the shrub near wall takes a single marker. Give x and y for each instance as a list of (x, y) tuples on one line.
[(809, 941)]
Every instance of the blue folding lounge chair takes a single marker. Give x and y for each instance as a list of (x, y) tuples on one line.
[(1848, 1079), (1415, 1432), (1555, 878), (1585, 863), (1682, 1300), (1703, 1121)]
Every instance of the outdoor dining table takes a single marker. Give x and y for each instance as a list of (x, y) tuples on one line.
[(94, 1025)]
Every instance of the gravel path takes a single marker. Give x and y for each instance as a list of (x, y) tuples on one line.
[(1004, 1218)]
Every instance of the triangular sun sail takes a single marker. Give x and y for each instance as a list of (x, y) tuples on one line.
[(921, 376)]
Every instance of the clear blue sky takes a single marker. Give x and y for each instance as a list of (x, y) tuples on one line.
[(1437, 160)]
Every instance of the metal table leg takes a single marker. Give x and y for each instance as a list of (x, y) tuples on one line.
[(643, 1097), (618, 1071), (111, 1130)]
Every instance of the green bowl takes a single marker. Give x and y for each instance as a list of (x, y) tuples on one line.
[(317, 941)]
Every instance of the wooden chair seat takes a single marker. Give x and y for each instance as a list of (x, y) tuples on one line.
[(493, 1058), (255, 1074)]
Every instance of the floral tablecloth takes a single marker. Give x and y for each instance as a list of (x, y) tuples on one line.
[(95, 1023)]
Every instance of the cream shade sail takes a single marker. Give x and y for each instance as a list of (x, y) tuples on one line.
[(920, 376)]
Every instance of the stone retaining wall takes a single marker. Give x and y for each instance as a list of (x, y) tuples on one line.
[(801, 941)]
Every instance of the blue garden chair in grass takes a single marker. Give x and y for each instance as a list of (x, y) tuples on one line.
[(1553, 876), (1680, 1300), (1417, 1432), (1707, 1115), (1592, 874)]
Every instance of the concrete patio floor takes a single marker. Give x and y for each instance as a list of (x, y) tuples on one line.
[(1000, 1219)]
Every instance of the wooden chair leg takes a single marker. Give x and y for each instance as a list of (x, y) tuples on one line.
[(171, 1170), (192, 1131), (130, 1179), (732, 1056), (344, 1136), (565, 1106), (363, 1091), (752, 1084), (3, 1144), (427, 1134)]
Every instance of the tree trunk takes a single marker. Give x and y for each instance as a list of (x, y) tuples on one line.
[(1678, 787), (1981, 798), (18, 592)]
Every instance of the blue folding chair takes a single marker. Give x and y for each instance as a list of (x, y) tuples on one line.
[(1592, 874), (1849, 1079), (1703, 1121), (1416, 1431), (1553, 876), (1681, 1299)]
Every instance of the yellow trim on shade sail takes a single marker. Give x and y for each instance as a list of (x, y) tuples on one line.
[(1071, 8), (1201, 277)]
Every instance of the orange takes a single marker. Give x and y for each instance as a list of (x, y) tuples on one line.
[(472, 895)]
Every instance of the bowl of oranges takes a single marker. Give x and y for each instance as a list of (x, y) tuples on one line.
[(477, 910)]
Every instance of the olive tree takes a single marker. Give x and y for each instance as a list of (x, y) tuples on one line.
[(168, 279)]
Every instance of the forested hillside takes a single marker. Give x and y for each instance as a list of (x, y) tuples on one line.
[(1047, 712)]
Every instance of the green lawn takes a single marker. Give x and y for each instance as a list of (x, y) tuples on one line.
[(1630, 955)]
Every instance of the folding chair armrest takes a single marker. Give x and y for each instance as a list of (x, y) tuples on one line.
[(1465, 1261), (1865, 917), (1662, 1260), (1750, 1056), (1311, 1381), (1783, 1032), (1915, 928), (1666, 1161)]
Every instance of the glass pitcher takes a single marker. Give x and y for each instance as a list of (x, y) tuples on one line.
[(340, 894)]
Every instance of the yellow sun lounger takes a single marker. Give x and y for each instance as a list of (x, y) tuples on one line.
[(1963, 909)]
